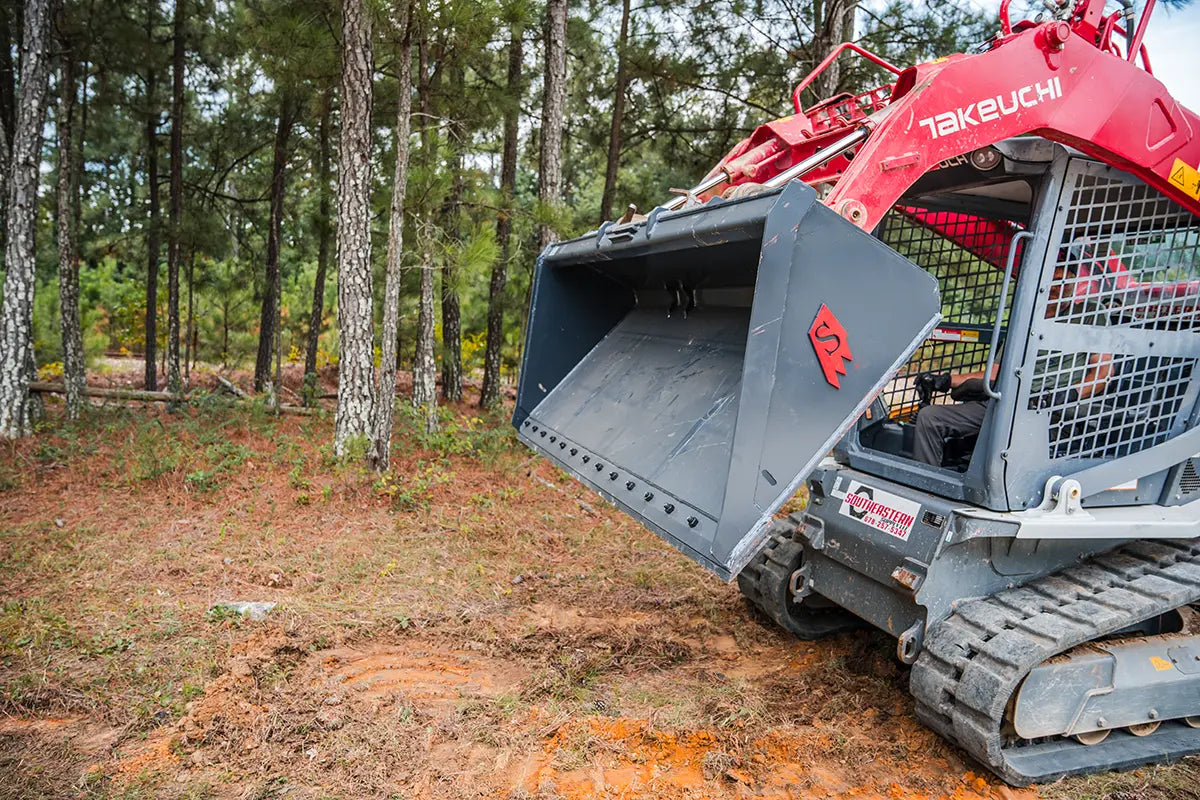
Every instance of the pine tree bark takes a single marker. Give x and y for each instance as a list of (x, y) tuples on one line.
[(553, 114), (8, 79), (386, 400), (324, 232), (189, 329), (68, 260), (175, 238), (16, 309), (424, 388), (355, 313), (268, 321), (618, 118), (834, 24), (489, 394), (6, 104), (153, 223)]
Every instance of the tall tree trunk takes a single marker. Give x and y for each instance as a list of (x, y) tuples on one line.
[(834, 24), (451, 310), (618, 117), (80, 138), (355, 313), (324, 231), (68, 261), (175, 240), (385, 402), (153, 227), (16, 309), (190, 349), (268, 321), (553, 114), (8, 77), (153, 223), (424, 384), (489, 394), (7, 86)]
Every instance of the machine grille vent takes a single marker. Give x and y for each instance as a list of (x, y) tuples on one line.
[(1189, 481)]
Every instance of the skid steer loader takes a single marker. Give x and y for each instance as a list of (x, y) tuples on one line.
[(1026, 213)]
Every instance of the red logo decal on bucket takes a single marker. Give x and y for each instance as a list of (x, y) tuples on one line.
[(828, 339)]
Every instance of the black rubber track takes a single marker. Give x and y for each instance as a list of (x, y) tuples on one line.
[(974, 660), (765, 583)]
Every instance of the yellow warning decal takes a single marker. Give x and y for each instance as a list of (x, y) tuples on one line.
[(1161, 664), (1186, 177)]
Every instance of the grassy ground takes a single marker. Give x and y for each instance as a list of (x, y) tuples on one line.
[(472, 624)]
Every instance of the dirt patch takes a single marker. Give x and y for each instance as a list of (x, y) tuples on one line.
[(623, 757), (430, 680), (79, 733)]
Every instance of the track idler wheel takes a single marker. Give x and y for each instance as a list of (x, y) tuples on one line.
[(1092, 737), (765, 582), (1145, 729)]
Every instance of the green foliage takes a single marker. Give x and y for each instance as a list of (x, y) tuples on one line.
[(480, 436), (413, 490)]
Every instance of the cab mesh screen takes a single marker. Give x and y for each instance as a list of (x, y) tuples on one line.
[(966, 253)]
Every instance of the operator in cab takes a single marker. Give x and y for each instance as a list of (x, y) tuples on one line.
[(1070, 385)]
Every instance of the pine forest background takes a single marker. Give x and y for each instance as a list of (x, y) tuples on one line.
[(205, 139)]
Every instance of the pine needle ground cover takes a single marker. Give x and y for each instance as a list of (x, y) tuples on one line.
[(471, 624)]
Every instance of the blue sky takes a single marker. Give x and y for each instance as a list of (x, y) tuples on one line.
[(1173, 40)]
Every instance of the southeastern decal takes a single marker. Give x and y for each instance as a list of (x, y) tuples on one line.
[(990, 109), (828, 339), (882, 510)]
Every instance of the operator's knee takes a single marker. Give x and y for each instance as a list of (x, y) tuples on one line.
[(927, 435), (932, 419)]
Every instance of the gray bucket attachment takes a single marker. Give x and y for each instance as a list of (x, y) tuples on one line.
[(694, 368)]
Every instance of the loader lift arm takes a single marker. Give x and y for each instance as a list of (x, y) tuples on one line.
[(1063, 80)]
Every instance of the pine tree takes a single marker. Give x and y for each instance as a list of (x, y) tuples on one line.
[(618, 117), (175, 237), (355, 318), (268, 323), (385, 402), (489, 394), (68, 258), (424, 383), (550, 176), (324, 233), (16, 310), (153, 222), (451, 307)]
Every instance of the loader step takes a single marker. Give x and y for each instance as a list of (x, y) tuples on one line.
[(974, 660)]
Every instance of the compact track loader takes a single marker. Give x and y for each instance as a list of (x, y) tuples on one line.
[(1025, 214)]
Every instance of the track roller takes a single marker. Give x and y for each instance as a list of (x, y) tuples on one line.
[(1092, 737)]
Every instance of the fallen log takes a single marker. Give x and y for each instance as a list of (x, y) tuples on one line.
[(231, 387), (142, 395)]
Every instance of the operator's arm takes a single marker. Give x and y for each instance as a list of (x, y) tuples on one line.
[(959, 378), (1095, 380)]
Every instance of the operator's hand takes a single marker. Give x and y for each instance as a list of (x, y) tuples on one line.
[(932, 382)]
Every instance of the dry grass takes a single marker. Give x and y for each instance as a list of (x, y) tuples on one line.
[(472, 624)]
